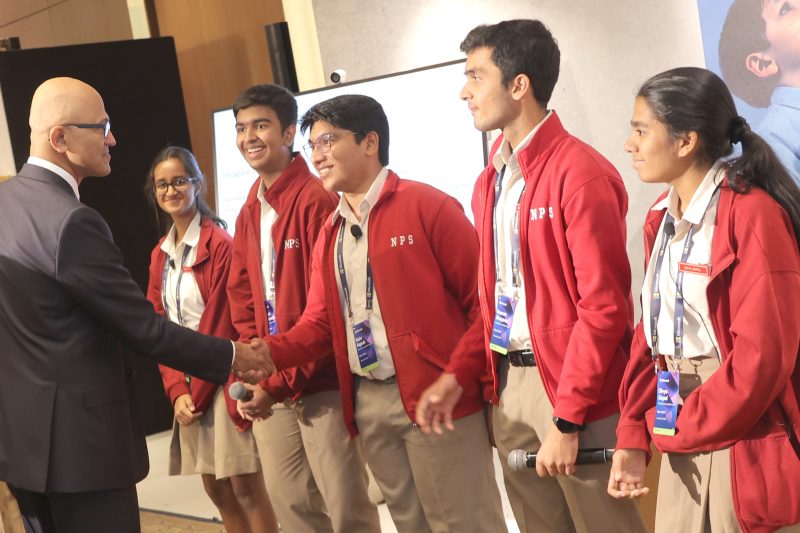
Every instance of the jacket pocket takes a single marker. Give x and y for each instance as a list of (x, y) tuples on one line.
[(104, 393), (410, 341), (765, 473)]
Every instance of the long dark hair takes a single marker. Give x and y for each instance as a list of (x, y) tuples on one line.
[(189, 163), (695, 99)]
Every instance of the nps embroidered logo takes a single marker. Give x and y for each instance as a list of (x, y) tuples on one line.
[(402, 240), (288, 244), (538, 213)]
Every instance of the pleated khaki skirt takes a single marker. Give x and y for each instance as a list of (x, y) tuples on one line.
[(213, 445), (694, 490)]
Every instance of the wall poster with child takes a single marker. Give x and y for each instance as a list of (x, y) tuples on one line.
[(755, 46)]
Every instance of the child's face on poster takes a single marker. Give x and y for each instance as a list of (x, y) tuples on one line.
[(782, 18)]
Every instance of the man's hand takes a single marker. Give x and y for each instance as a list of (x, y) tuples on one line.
[(626, 479), (558, 454), (257, 408), (253, 362), (184, 410), (436, 404)]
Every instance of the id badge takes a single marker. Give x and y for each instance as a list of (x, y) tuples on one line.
[(365, 346), (667, 401), (272, 324), (501, 330)]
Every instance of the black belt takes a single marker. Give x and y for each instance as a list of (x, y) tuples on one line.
[(521, 358)]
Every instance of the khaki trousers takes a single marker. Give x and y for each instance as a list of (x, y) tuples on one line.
[(695, 493), (314, 471), (577, 503), (432, 483)]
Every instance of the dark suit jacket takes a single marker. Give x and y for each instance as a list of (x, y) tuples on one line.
[(66, 304)]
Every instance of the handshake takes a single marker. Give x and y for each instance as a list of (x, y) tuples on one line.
[(252, 362)]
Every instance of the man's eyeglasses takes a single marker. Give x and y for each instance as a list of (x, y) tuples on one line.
[(105, 126), (180, 184), (324, 142)]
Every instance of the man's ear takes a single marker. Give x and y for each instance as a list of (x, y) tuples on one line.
[(57, 140), (520, 86), (761, 64), (289, 133), (372, 140)]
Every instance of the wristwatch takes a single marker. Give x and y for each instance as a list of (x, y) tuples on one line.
[(565, 426)]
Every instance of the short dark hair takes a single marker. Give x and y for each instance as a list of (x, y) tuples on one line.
[(354, 112), (693, 99), (521, 46), (192, 169), (273, 96), (745, 33)]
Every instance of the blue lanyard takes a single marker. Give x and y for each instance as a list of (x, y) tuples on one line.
[(186, 250), (271, 293), (343, 274), (655, 295), (515, 241)]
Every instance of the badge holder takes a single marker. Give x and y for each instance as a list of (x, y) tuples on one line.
[(272, 323), (503, 318)]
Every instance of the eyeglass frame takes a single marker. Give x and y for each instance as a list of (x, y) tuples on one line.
[(105, 126), (168, 184), (327, 142)]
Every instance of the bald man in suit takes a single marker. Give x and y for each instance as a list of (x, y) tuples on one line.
[(70, 448)]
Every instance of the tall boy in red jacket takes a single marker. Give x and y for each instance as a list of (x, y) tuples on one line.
[(314, 472), (554, 287), (393, 286)]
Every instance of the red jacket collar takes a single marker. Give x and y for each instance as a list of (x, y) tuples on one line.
[(544, 141), (282, 193)]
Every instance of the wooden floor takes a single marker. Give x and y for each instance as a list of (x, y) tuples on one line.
[(155, 522)]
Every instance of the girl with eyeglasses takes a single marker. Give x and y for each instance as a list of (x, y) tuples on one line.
[(188, 277), (713, 379)]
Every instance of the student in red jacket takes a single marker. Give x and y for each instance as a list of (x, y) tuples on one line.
[(720, 330), (393, 287), (554, 287), (188, 275), (315, 473)]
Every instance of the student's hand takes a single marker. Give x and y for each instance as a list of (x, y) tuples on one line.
[(557, 454), (257, 408), (436, 404), (253, 362), (626, 479), (184, 410)]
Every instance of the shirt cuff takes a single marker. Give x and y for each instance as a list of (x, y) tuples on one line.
[(233, 356)]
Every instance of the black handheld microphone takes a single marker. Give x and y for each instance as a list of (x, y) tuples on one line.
[(669, 229), (355, 231), (238, 391), (519, 460)]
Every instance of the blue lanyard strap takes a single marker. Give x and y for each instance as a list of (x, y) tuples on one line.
[(655, 295), (343, 274), (186, 250), (271, 294), (516, 282)]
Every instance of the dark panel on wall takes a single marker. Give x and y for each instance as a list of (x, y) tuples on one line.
[(141, 87)]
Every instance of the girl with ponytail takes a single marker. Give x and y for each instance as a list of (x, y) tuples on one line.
[(712, 380)]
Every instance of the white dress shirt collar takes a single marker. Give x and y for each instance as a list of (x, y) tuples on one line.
[(693, 213), (370, 199), (52, 167), (190, 238)]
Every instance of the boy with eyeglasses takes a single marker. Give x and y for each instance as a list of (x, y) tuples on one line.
[(314, 472), (393, 287)]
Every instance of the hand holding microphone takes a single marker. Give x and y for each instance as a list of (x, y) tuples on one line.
[(519, 460), (252, 402)]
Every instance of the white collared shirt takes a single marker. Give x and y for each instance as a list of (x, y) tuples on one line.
[(699, 339), (355, 252), (192, 305), (52, 167), (268, 218), (512, 186)]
